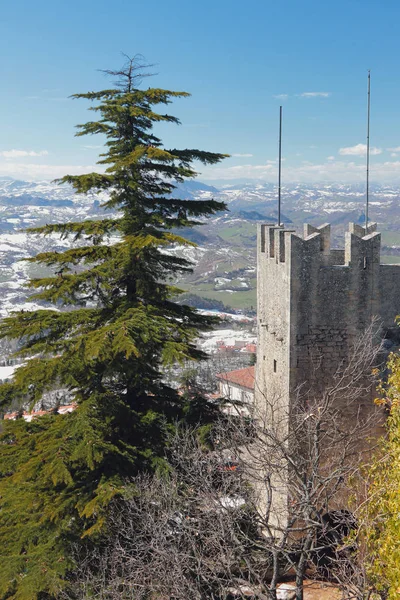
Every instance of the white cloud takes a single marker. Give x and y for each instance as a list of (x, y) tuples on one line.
[(34, 172), (359, 150), (394, 154), (22, 153), (242, 155), (308, 172), (397, 149), (375, 151), (315, 94), (281, 96), (330, 158), (238, 171)]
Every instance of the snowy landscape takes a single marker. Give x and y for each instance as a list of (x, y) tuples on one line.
[(224, 262)]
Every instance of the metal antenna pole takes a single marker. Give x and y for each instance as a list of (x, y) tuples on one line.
[(368, 124), (280, 166)]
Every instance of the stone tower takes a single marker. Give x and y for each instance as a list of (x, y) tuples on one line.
[(313, 301)]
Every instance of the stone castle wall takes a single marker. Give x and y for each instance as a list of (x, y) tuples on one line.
[(273, 309), (313, 303)]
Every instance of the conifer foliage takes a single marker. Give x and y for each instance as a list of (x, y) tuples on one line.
[(113, 327)]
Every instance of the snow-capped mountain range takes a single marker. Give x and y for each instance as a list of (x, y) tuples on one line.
[(226, 238)]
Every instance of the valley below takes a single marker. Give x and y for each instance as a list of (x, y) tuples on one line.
[(223, 279)]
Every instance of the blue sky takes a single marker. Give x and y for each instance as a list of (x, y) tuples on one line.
[(240, 61)]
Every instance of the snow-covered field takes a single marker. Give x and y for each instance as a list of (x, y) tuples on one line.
[(209, 341), (7, 372), (241, 318), (25, 204)]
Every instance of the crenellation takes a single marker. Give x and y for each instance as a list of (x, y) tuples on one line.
[(298, 305), (362, 252), (313, 303), (271, 242), (325, 235), (360, 231), (281, 246), (262, 234)]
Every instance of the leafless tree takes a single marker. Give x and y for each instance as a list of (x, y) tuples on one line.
[(270, 498), (304, 464)]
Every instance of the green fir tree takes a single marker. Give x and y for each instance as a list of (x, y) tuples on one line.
[(113, 329)]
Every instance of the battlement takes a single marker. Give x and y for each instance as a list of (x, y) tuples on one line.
[(361, 248), (313, 302), (309, 282)]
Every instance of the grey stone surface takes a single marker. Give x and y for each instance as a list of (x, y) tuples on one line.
[(312, 302), (310, 309)]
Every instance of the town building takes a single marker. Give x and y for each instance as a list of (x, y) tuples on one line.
[(238, 389), (34, 414)]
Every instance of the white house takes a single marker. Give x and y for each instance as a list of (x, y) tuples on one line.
[(238, 388)]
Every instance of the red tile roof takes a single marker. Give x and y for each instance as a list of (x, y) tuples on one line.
[(28, 416), (251, 348), (243, 377)]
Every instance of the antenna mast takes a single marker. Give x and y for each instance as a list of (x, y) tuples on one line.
[(368, 123), (280, 166)]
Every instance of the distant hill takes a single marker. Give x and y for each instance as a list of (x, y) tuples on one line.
[(224, 261), (192, 234), (192, 189), (254, 215), (28, 200), (250, 215)]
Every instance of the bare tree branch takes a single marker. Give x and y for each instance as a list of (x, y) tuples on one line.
[(271, 498)]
